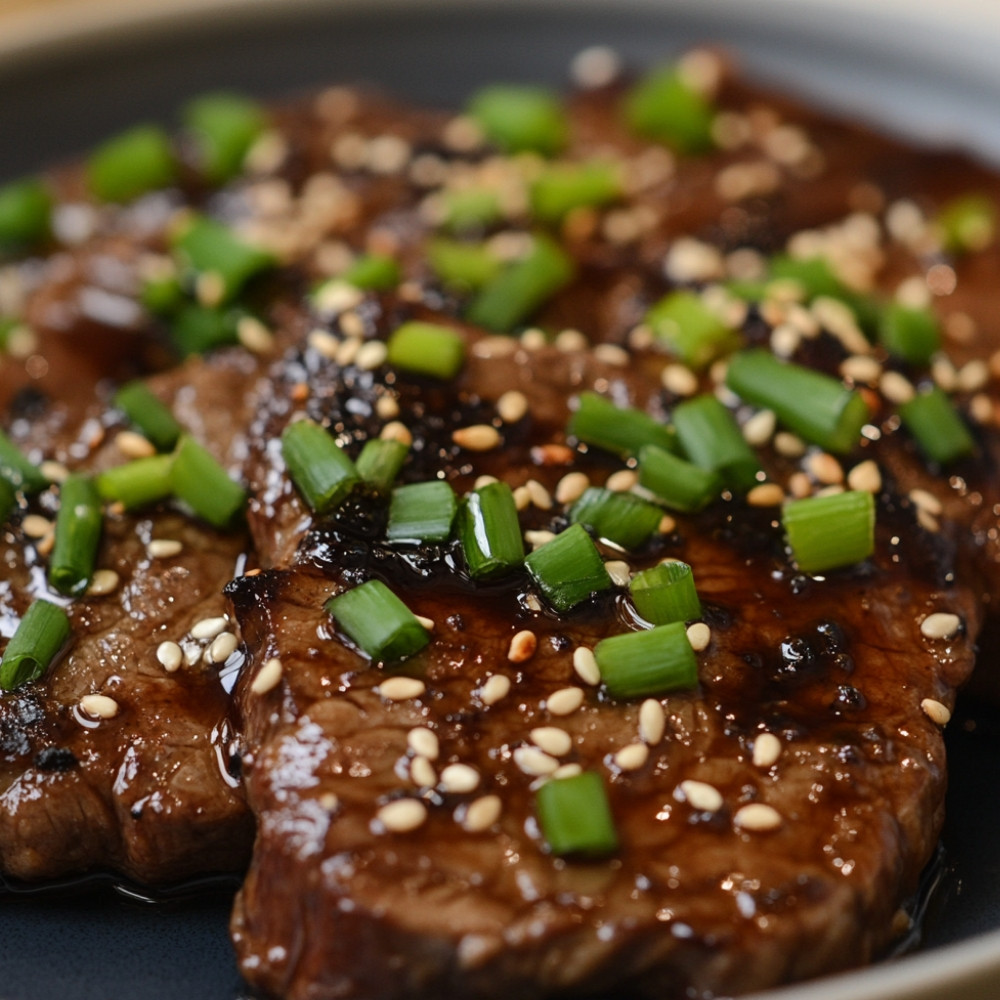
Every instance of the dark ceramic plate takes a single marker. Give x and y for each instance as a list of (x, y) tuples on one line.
[(61, 90)]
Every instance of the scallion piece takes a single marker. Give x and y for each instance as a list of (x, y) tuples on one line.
[(130, 164), (137, 484), (25, 209), (520, 119), (8, 500), (622, 430), (198, 329), (934, 422), (223, 127), (664, 108), (813, 275), (17, 470), (522, 287), (378, 622), (321, 470), (198, 480), (692, 330), (710, 437), (676, 483), (162, 294), (562, 187), (967, 224), (470, 208), (77, 535), (373, 272), (815, 406), (575, 817), (909, 333), (421, 512), (380, 461), (651, 662), (828, 532), (149, 413), (427, 349), (490, 532), (43, 631), (568, 569), (464, 267), (621, 518), (666, 593)]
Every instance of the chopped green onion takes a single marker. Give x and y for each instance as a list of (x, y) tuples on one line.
[(25, 209), (651, 662), (813, 275), (199, 329), (200, 482), (77, 535), (8, 500), (380, 461), (621, 430), (208, 248), (815, 406), (130, 164), (710, 437), (568, 569), (622, 518), (163, 293), (575, 817), (421, 512), (470, 208), (223, 126), (562, 187), (695, 333), (427, 349), (138, 483), (676, 483), (42, 633), (909, 333), (664, 108), (519, 119), (464, 267), (373, 272), (490, 532), (666, 593), (967, 223), (522, 287), (321, 470), (934, 422), (17, 470), (828, 532), (7, 326), (149, 413), (378, 622)]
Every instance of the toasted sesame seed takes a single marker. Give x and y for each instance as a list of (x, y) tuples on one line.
[(428, 623), (619, 571), (209, 628), (611, 354), (480, 814), (667, 524), (701, 796), (861, 368), (652, 721), (766, 749), (570, 340), (422, 772), (401, 688), (36, 526), (981, 409), (522, 646), (940, 625), (395, 430), (164, 548), (926, 500), (133, 445), (329, 801), (552, 454), (632, 757), (223, 646), (371, 355), (944, 373), (799, 485), (973, 375), (268, 676), (789, 445), (766, 495), (423, 742), (622, 481), (939, 714), (347, 350), (571, 487), (54, 472), (534, 339), (484, 480), (494, 689), (679, 379), (387, 407), (522, 497), (553, 740), (565, 701), (402, 815), (103, 582), (254, 335), (459, 779), (99, 706), (866, 477), (896, 387), (478, 437), (785, 340), (690, 260), (540, 496), (512, 406), (323, 343), (585, 665), (337, 297), (536, 539), (169, 655), (757, 817), (759, 429), (699, 635), (532, 761), (824, 468)]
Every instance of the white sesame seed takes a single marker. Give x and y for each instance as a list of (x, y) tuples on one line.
[(799, 484), (164, 548), (766, 749), (267, 677), (386, 407), (336, 297), (536, 539), (494, 689), (701, 796), (571, 487), (133, 445), (569, 341), (622, 481), (766, 495), (757, 817), (169, 655), (402, 815), (611, 354), (36, 526), (585, 665), (208, 628), (427, 623), (565, 701), (865, 476), (981, 409), (329, 801), (861, 368), (522, 498), (944, 374), (632, 757), (596, 66), (785, 340), (679, 379), (323, 343), (192, 653), (54, 472), (223, 646), (927, 521), (532, 761), (553, 740), (459, 779), (401, 688), (824, 468), (759, 429), (522, 646), (789, 445), (652, 721), (619, 571), (422, 772), (480, 814), (254, 335), (423, 742), (973, 375), (667, 524), (371, 355), (512, 406), (478, 437), (940, 625), (396, 431), (699, 635), (103, 582), (347, 351), (926, 500), (99, 706), (896, 387), (938, 714)]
